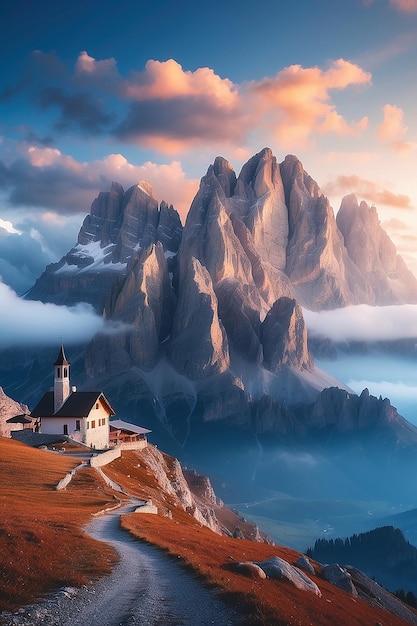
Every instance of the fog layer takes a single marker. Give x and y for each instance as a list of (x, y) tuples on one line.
[(25, 322)]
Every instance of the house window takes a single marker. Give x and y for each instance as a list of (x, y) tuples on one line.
[(65, 429), (65, 372), (97, 405), (77, 425), (93, 424), (58, 372)]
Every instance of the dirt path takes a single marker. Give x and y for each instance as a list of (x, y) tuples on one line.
[(146, 588)]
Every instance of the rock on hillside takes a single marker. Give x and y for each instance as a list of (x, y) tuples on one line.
[(162, 480), (9, 408)]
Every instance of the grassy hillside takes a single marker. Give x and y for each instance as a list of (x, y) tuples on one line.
[(43, 546)]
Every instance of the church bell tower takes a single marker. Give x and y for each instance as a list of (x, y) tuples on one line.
[(61, 380)]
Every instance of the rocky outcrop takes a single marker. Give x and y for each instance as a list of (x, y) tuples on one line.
[(201, 485), (339, 577), (9, 408), (284, 337), (349, 412), (374, 253), (278, 568), (318, 265), (168, 474), (215, 306), (143, 310), (198, 346), (119, 224)]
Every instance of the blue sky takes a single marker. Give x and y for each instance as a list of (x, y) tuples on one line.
[(92, 92)]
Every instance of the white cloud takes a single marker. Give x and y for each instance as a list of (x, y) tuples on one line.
[(8, 227), (364, 323), (25, 322)]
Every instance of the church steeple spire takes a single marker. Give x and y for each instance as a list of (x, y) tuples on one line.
[(61, 380)]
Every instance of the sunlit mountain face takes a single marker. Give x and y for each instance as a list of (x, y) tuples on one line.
[(224, 337)]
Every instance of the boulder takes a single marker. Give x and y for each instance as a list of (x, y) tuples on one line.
[(275, 567), (304, 563), (339, 577), (147, 507), (251, 570)]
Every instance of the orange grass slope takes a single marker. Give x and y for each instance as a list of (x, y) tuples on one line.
[(267, 602), (42, 545)]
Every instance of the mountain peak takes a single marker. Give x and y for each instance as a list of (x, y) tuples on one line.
[(146, 188)]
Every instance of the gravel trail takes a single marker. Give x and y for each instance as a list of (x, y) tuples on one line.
[(145, 588)]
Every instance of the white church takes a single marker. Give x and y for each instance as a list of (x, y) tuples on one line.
[(84, 416)]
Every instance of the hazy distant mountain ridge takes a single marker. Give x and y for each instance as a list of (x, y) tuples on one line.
[(374, 254), (383, 554)]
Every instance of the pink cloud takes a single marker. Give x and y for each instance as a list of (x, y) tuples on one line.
[(296, 102), (393, 130), (173, 110), (166, 80), (170, 109), (406, 6), (336, 123), (91, 71), (367, 190), (47, 178), (168, 180), (395, 224)]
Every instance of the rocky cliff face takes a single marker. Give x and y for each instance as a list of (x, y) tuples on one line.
[(374, 254), (212, 310), (173, 488), (334, 410), (119, 225), (318, 265), (9, 408)]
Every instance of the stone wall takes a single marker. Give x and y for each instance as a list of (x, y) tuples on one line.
[(105, 457)]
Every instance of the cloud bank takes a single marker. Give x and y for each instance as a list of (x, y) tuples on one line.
[(173, 110), (364, 323), (45, 177), (368, 190), (29, 323)]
